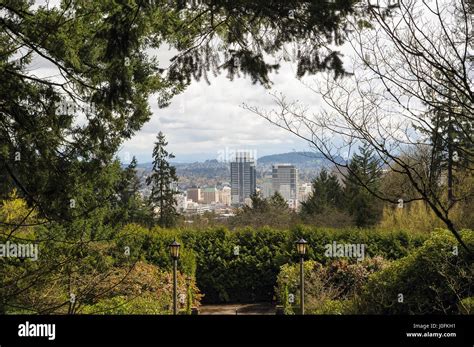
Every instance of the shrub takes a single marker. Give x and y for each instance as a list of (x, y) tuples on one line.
[(336, 307), (328, 288), (248, 276), (153, 246), (124, 305), (143, 289), (329, 218), (386, 244), (466, 305), (350, 277), (432, 279), (415, 216), (251, 275)]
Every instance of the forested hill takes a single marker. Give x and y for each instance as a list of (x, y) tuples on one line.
[(299, 159)]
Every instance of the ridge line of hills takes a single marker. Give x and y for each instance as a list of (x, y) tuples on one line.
[(299, 159)]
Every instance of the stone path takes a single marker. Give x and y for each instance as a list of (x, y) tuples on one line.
[(242, 309)]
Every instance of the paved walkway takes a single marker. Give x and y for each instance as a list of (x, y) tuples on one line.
[(242, 309)]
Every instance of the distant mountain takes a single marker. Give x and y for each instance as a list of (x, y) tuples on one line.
[(299, 159), (207, 169), (212, 172)]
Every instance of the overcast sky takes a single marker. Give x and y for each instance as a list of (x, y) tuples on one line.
[(207, 120)]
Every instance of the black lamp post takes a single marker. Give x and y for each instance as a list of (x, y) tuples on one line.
[(301, 248), (174, 252)]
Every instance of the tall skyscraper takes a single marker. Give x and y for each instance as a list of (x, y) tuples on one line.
[(243, 177), (285, 181)]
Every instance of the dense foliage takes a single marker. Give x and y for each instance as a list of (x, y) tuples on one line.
[(60, 131), (436, 278), (326, 193), (243, 264), (329, 288), (272, 211), (129, 272), (63, 190), (432, 279), (90, 272)]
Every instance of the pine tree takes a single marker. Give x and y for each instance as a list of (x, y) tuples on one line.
[(278, 202), (450, 136), (162, 177), (326, 193), (258, 204), (130, 175), (129, 206), (364, 175)]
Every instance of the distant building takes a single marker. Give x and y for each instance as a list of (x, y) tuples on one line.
[(210, 195), (181, 202), (194, 208), (304, 191), (225, 196), (194, 194), (243, 177), (285, 181), (267, 186)]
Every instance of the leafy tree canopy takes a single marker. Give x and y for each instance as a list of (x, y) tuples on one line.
[(60, 131)]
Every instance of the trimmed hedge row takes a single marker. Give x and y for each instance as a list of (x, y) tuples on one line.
[(224, 276)]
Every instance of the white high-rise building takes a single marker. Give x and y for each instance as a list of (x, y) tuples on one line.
[(304, 191), (225, 196), (181, 202)]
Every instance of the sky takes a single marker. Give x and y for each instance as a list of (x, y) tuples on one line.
[(208, 120)]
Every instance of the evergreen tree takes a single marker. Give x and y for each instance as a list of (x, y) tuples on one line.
[(278, 202), (162, 177), (273, 211), (326, 193), (452, 141), (65, 169), (258, 204), (130, 177), (130, 206), (364, 172)]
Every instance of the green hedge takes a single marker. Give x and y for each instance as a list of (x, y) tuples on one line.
[(431, 280), (251, 276)]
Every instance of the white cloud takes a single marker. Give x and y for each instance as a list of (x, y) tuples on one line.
[(206, 119)]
